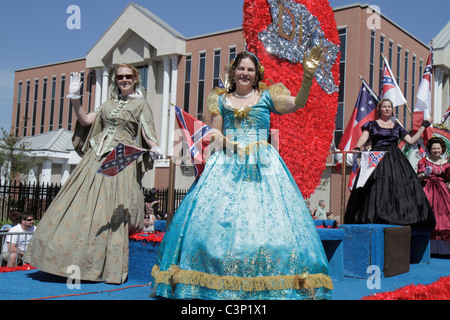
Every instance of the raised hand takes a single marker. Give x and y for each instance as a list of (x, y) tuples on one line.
[(312, 62), (75, 86)]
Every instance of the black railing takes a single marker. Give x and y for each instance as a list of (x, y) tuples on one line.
[(35, 199)]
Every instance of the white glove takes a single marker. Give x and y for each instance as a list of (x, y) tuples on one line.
[(156, 153), (428, 171), (75, 86)]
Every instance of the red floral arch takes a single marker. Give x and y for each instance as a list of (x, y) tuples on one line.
[(306, 135)]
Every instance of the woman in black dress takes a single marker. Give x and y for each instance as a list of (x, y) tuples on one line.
[(392, 193)]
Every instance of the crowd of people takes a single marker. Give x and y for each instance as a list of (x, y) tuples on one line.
[(244, 230)]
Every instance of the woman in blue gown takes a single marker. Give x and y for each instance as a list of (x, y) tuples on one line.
[(243, 231)]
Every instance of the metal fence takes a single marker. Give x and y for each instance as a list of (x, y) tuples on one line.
[(35, 199)]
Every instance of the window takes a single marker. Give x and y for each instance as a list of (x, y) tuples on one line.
[(27, 103), (19, 99), (61, 101), (399, 62), (44, 97), (143, 70), (216, 69), (372, 57), (413, 85), (339, 131), (405, 90), (381, 62), (52, 104), (187, 83), (232, 54), (35, 102), (201, 86)]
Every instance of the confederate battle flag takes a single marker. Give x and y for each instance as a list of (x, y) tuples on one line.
[(118, 159)]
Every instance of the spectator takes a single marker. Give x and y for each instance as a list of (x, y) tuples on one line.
[(320, 213), (16, 244)]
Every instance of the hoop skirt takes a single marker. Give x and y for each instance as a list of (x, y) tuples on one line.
[(392, 193), (243, 231), (438, 194), (88, 222)]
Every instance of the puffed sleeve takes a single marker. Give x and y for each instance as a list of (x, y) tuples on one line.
[(213, 101), (421, 165), (278, 94)]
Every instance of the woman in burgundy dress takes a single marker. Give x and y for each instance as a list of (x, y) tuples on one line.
[(434, 172), (392, 193)]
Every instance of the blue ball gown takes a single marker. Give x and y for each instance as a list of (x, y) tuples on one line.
[(243, 231)]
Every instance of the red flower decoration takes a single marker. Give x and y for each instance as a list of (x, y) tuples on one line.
[(306, 135)]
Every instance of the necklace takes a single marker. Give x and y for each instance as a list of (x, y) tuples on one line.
[(246, 96), (434, 166)]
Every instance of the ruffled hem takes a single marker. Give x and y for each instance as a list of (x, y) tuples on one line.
[(175, 275)]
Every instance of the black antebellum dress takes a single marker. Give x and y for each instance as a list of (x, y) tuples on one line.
[(392, 194)]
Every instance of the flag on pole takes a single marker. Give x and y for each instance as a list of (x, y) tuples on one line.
[(364, 111), (197, 135), (369, 161), (119, 158), (390, 88), (422, 110)]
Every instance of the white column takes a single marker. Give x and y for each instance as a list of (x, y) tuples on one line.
[(46, 172), (165, 106), (173, 101), (98, 87), (65, 172), (105, 83)]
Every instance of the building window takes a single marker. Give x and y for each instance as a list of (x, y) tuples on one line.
[(27, 103), (35, 102), (44, 99), (339, 131), (143, 70), (216, 69), (232, 53), (89, 90), (61, 101), (405, 93), (372, 57), (187, 83), (413, 85), (399, 62), (201, 85), (391, 51), (19, 99), (381, 62), (52, 104)]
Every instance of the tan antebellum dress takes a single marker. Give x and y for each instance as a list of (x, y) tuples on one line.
[(88, 223)]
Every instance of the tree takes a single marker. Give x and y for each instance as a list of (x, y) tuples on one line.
[(14, 157)]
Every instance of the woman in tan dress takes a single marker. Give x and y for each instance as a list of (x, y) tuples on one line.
[(88, 223)]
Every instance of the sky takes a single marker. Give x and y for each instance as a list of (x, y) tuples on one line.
[(36, 33)]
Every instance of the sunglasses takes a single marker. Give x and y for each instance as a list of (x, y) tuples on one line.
[(124, 76), (30, 219)]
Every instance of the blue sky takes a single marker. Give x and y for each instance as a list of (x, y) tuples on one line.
[(35, 32)]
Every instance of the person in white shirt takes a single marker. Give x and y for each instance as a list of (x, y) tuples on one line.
[(320, 213), (16, 244)]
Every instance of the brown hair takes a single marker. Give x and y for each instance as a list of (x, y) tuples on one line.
[(434, 140), (231, 68), (381, 102)]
